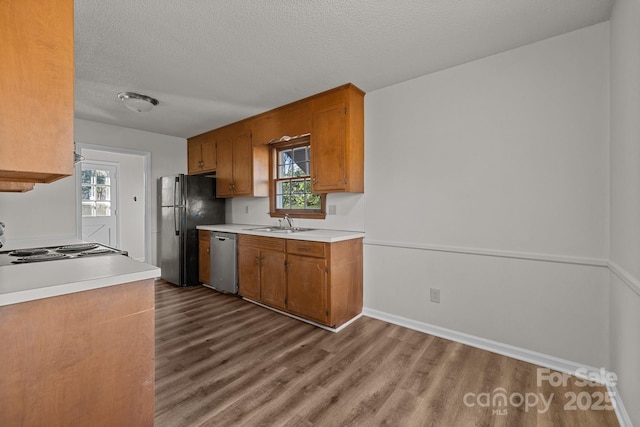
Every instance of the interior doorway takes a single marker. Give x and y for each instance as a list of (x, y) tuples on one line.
[(99, 202), (130, 215)]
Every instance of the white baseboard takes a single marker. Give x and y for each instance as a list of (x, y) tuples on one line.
[(621, 411), (540, 359), (318, 325)]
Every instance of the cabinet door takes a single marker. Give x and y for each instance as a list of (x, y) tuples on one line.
[(328, 149), (36, 83), (224, 173), (295, 119), (204, 270), (209, 157), (307, 287), (272, 280), (242, 165), (249, 272), (265, 128), (194, 156)]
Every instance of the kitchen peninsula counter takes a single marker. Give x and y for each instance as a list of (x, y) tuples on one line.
[(313, 235), (77, 333), (28, 282)]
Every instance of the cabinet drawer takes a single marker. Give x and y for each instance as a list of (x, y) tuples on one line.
[(271, 243), (204, 235), (304, 247)]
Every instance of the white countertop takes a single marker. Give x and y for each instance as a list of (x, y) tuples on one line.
[(27, 282), (315, 235)]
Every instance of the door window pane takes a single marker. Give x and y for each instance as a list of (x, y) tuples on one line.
[(96, 192)]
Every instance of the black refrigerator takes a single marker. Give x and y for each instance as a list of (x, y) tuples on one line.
[(184, 201)]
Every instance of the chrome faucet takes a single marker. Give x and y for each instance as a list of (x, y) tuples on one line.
[(289, 220)]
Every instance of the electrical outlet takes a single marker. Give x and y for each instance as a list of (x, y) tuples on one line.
[(331, 210), (434, 295)]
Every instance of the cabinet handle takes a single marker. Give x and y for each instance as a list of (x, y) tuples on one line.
[(208, 250), (314, 179)]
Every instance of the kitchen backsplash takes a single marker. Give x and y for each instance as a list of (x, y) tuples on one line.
[(349, 208)]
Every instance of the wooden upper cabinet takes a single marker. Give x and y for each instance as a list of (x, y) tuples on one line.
[(224, 170), (265, 127), (15, 187), (242, 166), (295, 119), (36, 82), (334, 118), (337, 141), (201, 153), (289, 120)]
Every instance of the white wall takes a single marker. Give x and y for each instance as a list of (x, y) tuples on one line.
[(505, 156), (131, 209), (625, 202), (49, 209), (168, 155), (349, 212)]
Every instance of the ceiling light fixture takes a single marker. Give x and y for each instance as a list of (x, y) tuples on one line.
[(136, 102)]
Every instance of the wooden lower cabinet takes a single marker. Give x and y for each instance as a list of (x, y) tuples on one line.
[(261, 269), (273, 279), (81, 359), (318, 281), (248, 271), (204, 263), (307, 287)]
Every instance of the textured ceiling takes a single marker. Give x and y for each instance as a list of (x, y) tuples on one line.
[(212, 62)]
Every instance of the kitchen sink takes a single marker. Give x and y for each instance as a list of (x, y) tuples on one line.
[(276, 229)]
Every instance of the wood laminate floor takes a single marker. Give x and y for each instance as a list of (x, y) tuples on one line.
[(221, 361)]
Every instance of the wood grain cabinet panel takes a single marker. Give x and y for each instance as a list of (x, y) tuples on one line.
[(272, 278), (201, 154), (307, 287), (82, 359), (289, 120), (337, 141), (261, 269), (16, 187), (248, 271), (295, 119), (318, 281), (204, 263), (242, 165), (224, 172), (36, 82), (334, 118)]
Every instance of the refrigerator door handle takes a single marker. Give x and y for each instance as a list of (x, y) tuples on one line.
[(176, 227), (175, 191)]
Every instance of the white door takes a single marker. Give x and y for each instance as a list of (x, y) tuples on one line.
[(99, 189)]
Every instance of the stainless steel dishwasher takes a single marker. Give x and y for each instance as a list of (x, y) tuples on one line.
[(223, 261)]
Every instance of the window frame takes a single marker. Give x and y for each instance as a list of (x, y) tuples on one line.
[(274, 211)]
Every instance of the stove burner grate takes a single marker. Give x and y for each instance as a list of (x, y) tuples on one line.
[(77, 248), (39, 258), (29, 252), (94, 252)]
